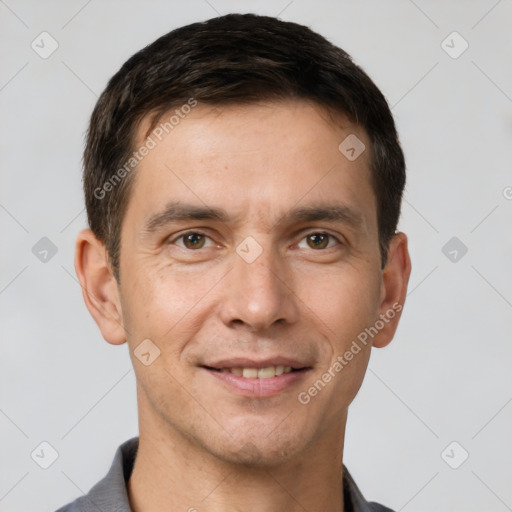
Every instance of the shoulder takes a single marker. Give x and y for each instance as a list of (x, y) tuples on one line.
[(109, 494), (376, 507), (354, 499), (88, 504), (79, 505)]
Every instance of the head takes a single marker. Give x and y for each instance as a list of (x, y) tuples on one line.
[(230, 227)]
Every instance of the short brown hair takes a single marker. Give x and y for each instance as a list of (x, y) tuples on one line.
[(237, 58)]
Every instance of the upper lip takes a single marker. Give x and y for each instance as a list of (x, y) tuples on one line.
[(245, 362)]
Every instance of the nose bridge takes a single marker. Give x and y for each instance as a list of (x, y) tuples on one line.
[(261, 281), (259, 294)]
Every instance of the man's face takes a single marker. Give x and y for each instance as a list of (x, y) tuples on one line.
[(273, 283)]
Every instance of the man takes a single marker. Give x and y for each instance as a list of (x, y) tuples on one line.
[(243, 180)]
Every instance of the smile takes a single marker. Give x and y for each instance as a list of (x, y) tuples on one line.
[(267, 372), (258, 382)]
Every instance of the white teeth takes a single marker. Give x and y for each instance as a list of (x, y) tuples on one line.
[(259, 373), (250, 373), (267, 373)]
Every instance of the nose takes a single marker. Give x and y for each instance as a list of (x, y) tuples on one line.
[(259, 295)]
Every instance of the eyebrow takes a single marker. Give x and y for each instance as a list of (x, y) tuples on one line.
[(176, 211), (179, 212)]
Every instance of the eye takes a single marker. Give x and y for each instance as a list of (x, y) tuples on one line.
[(192, 240), (319, 241)]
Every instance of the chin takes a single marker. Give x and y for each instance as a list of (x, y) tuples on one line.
[(259, 451)]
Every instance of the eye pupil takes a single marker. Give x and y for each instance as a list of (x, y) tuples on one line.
[(319, 240), (194, 241)]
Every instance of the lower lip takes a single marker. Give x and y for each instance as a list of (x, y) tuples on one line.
[(259, 388)]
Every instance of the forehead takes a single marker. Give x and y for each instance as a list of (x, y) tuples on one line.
[(295, 119), (256, 158)]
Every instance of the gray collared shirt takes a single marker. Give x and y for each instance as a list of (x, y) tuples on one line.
[(110, 494)]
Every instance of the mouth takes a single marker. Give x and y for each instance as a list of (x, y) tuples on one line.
[(266, 372), (252, 379)]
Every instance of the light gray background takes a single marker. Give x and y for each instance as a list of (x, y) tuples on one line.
[(445, 377)]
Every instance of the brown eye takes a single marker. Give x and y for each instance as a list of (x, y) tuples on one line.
[(193, 240), (318, 241)]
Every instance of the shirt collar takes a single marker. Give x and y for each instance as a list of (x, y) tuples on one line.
[(110, 493)]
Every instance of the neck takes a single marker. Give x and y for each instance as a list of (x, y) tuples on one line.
[(171, 472)]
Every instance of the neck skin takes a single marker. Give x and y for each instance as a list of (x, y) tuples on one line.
[(172, 473)]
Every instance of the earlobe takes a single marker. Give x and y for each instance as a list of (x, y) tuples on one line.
[(395, 278), (99, 287)]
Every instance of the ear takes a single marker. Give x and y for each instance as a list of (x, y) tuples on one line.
[(99, 286), (395, 278)]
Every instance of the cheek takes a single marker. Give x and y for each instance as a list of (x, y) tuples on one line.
[(163, 302), (345, 299)]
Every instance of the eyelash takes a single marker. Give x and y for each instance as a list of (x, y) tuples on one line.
[(183, 235)]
